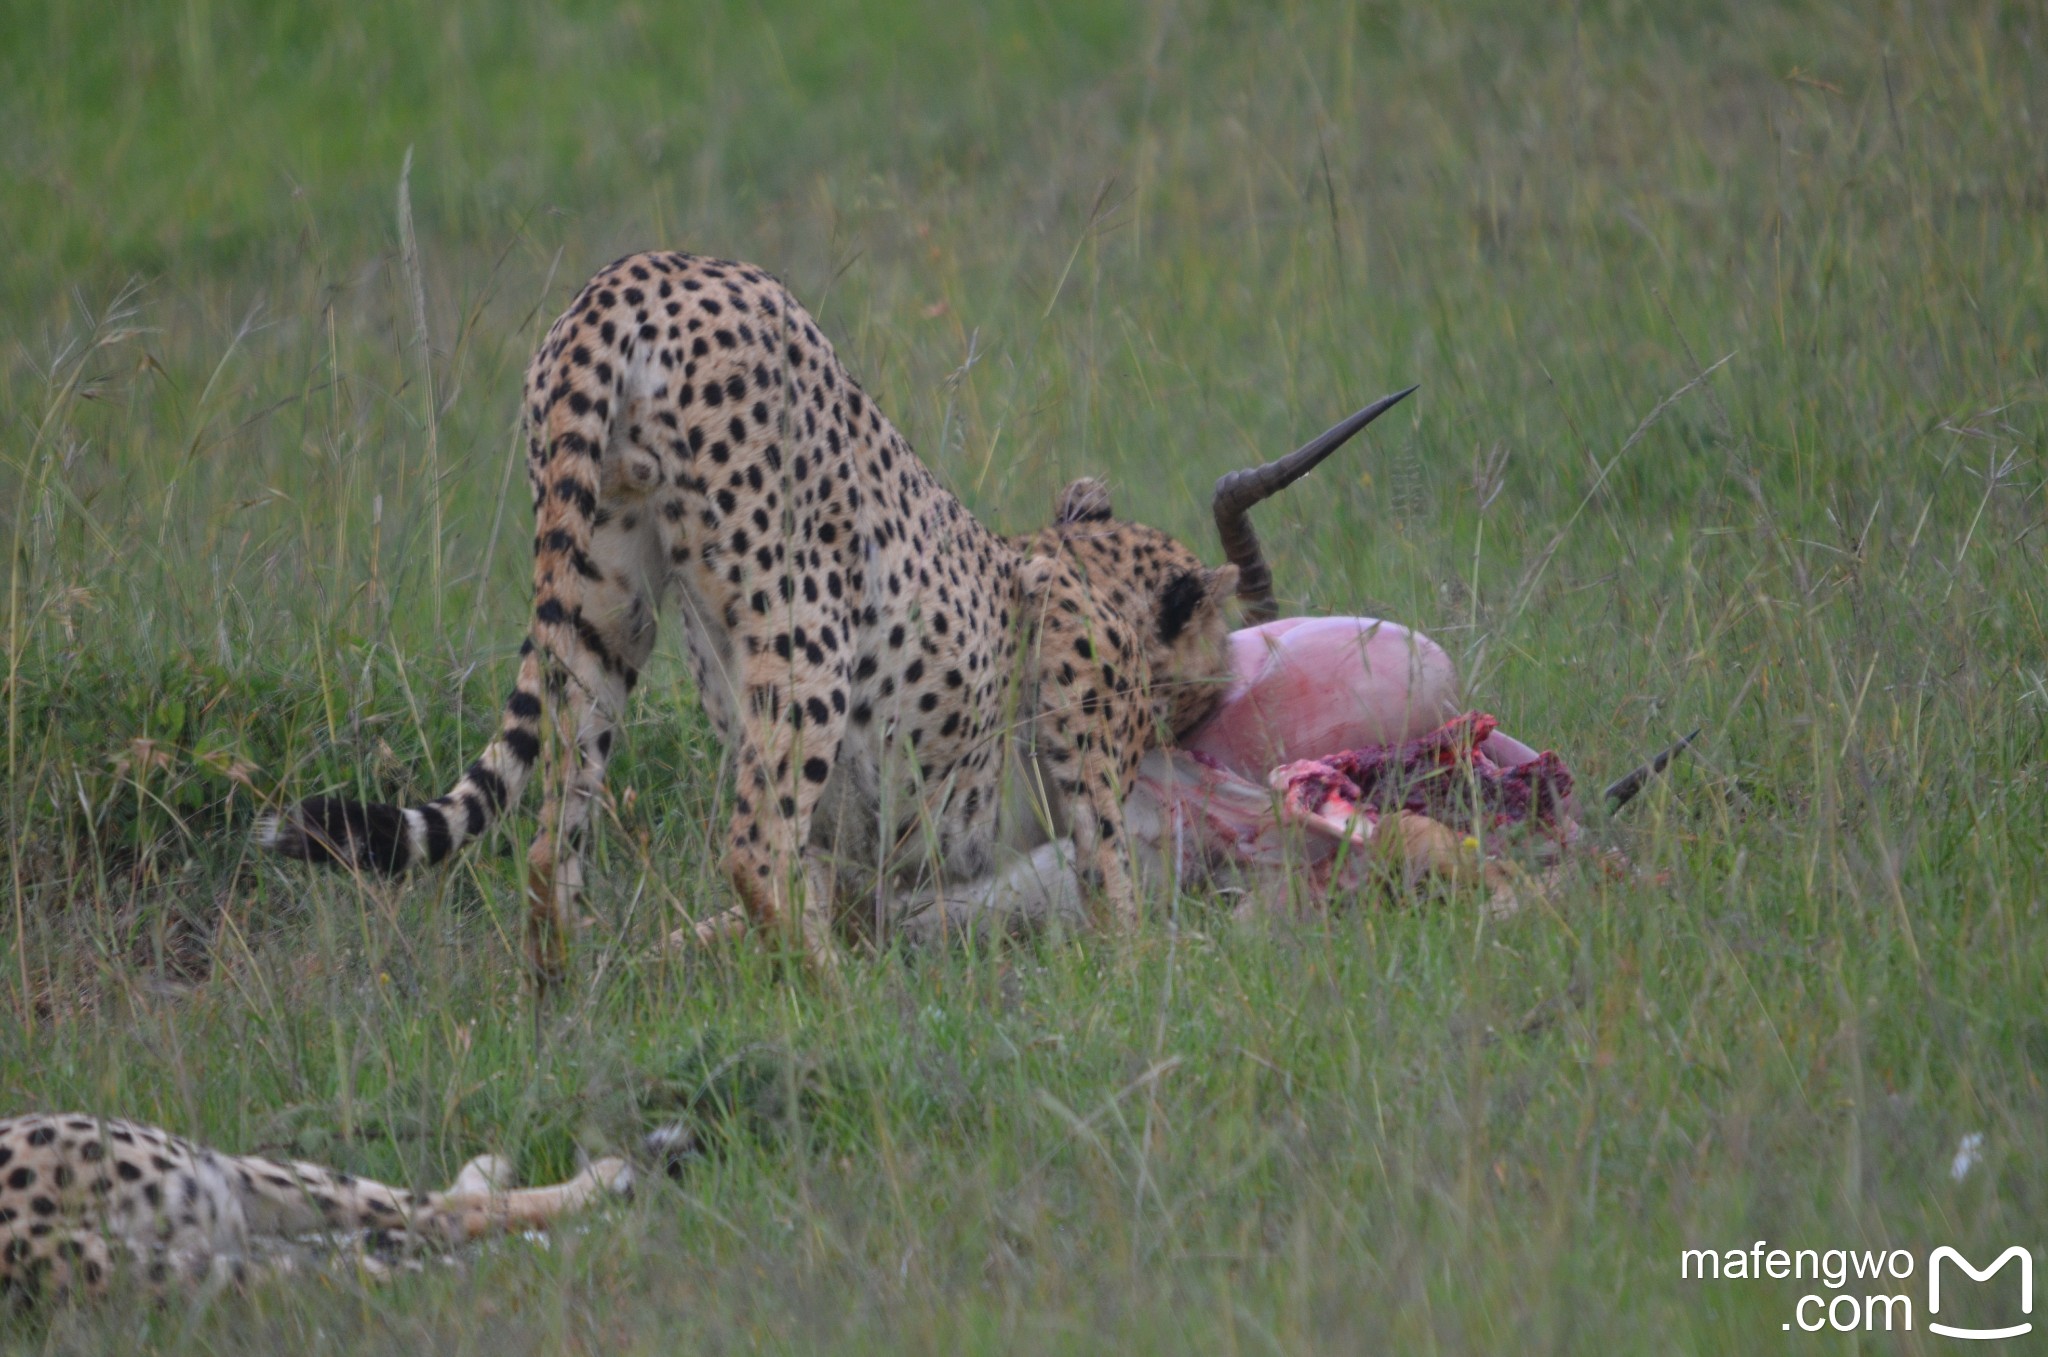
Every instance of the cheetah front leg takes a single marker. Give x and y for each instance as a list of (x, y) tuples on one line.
[(1092, 780), (472, 1209), (294, 1200), (1089, 727)]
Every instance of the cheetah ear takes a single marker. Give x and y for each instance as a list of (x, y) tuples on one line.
[(1222, 583), (1085, 501)]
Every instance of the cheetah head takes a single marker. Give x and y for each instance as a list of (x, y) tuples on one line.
[(1164, 591)]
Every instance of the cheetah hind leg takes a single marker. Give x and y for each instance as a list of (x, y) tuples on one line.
[(84, 1263), (589, 680), (588, 703), (554, 861), (73, 1262)]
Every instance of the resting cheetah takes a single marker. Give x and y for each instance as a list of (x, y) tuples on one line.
[(870, 654), (80, 1196)]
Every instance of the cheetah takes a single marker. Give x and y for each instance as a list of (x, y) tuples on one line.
[(83, 1196), (871, 656)]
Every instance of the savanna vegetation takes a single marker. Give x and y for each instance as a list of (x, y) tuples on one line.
[(1732, 325)]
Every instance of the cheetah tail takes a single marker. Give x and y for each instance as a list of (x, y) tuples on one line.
[(386, 840)]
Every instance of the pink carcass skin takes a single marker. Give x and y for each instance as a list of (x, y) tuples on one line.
[(1309, 686), (1306, 687), (1313, 686)]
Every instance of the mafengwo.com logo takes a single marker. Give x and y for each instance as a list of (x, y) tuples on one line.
[(1873, 1290), (2015, 1254)]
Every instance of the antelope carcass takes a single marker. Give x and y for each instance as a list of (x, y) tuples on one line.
[(1262, 798)]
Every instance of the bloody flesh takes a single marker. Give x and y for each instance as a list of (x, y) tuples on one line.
[(1446, 774)]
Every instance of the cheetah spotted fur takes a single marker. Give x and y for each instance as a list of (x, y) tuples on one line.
[(873, 658), (81, 1197)]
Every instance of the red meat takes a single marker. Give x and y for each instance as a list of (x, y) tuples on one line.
[(1446, 774)]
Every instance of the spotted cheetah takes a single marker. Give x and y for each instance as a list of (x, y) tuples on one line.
[(83, 1196), (869, 653)]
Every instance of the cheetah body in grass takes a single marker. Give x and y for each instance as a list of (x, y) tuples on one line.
[(83, 1197), (875, 660)]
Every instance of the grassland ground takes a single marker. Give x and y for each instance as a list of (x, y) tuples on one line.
[(1732, 324)]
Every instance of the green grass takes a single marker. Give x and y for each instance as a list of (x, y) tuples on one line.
[(1058, 238)]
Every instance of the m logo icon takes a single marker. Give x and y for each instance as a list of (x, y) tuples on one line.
[(2026, 1290)]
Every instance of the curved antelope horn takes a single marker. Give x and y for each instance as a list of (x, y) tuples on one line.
[(1238, 491)]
